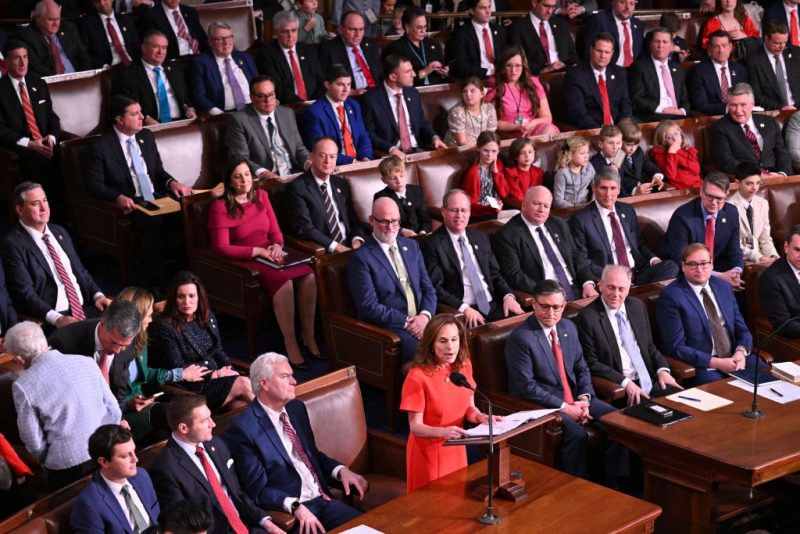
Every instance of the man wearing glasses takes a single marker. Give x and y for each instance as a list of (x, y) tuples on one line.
[(700, 321), (713, 222), (359, 54)]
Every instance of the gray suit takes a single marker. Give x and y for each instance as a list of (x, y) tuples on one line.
[(791, 132), (246, 137)]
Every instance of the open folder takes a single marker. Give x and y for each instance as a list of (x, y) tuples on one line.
[(699, 399)]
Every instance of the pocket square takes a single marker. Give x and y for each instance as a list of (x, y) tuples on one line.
[(42, 101)]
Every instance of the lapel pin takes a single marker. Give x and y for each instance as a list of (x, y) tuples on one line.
[(61, 237), (338, 190), (124, 29), (34, 89), (141, 142), (674, 69), (433, 47), (622, 215), (495, 32), (213, 449), (555, 236), (554, 26), (723, 220), (790, 56), (409, 203), (613, 77), (302, 58), (761, 125), (564, 334), (475, 247), (405, 248), (365, 45)]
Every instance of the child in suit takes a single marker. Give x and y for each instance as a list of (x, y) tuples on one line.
[(639, 175), (609, 142), (672, 153), (524, 174), (414, 218)]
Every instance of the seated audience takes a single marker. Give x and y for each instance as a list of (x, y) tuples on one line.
[(791, 131), (606, 232), (187, 333), (242, 226), (463, 268), (620, 149), (110, 39), (474, 46), (337, 116), (370, 9), (577, 8), (311, 26), (773, 70), (293, 65), (755, 236), (218, 79), (360, 54), (779, 288), (533, 246), (785, 12), (184, 517), (484, 182), (424, 53), (680, 48), (731, 17), (54, 46), (519, 98), (180, 23), (196, 466), (118, 488), (673, 153), (388, 280), (710, 80), (135, 7), (473, 115), (288, 473), (658, 86), (573, 178), (523, 174), (266, 134), (627, 31), (394, 25), (628, 356), (545, 37), (410, 200), (700, 322), (60, 400)]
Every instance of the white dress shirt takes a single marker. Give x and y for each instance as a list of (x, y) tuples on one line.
[(469, 292), (718, 70), (226, 84), (123, 141), (174, 108), (115, 59), (549, 271), (485, 63), (393, 104), (116, 490), (551, 41), (184, 46), (23, 141), (604, 216)]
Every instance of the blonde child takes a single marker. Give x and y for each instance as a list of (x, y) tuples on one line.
[(414, 218), (672, 153), (574, 174)]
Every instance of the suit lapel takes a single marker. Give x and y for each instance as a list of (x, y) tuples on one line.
[(449, 250), (608, 330), (562, 245), (35, 251), (140, 490), (601, 230), (333, 118), (255, 123), (547, 347), (111, 502), (189, 466), (699, 309), (528, 240), (377, 252), (481, 257), (271, 432), (383, 96)]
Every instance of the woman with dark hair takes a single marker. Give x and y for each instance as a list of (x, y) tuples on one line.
[(730, 16), (242, 226), (187, 333), (424, 53)]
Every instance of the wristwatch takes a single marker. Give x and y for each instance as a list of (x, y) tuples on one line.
[(295, 506)]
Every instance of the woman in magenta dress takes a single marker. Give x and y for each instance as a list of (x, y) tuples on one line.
[(436, 407), (242, 226)]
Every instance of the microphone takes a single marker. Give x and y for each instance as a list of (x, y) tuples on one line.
[(754, 412), (460, 380)]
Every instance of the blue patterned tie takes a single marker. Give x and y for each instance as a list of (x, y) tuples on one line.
[(474, 277), (164, 115), (141, 174), (632, 348), (561, 274)]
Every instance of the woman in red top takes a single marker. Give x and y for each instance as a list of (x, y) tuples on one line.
[(524, 174), (242, 226), (484, 182), (673, 155), (730, 16)]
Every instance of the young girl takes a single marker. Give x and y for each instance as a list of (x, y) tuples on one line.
[(525, 174), (311, 26), (574, 173), (467, 119), (675, 157), (484, 182)]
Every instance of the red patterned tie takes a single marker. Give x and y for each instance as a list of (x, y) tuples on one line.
[(301, 452), (626, 45), (30, 118), (619, 241), (56, 56), (364, 68), (487, 43), (545, 42), (347, 137), (723, 83), (601, 86), (562, 372), (298, 77), (709, 239), (751, 137), (402, 124), (183, 33), (224, 501), (72, 296), (115, 41)]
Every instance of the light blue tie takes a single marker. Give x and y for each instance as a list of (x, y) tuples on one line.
[(141, 174), (629, 344), (164, 115), (474, 277)]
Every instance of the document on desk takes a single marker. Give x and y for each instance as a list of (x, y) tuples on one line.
[(361, 529), (780, 392), (510, 422), (699, 399)]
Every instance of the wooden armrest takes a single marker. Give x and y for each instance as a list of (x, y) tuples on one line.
[(525, 299), (283, 520), (315, 249), (766, 357), (607, 390), (236, 267), (240, 365), (387, 454), (680, 370)]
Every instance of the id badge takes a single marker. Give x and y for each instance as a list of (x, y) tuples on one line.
[(428, 8), (518, 121), (370, 16), (748, 241)]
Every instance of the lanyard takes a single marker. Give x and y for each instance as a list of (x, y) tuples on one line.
[(423, 58)]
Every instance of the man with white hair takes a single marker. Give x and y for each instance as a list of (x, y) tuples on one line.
[(276, 456), (54, 46), (61, 399)]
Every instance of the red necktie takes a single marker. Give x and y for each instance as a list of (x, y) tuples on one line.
[(626, 45), (723, 83), (364, 68), (112, 33), (104, 367), (710, 236), (601, 86), (56, 56), (72, 296), (183, 33), (753, 140), (347, 137), (619, 241), (301, 452), (793, 27), (225, 502), (298, 77), (30, 118), (545, 42), (562, 372), (402, 124), (487, 43)]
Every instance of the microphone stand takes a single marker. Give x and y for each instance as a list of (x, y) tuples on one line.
[(754, 412)]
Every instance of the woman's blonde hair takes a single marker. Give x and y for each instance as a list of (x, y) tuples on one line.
[(660, 135), (568, 148), (143, 300)]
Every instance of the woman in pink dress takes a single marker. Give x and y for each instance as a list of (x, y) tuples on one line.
[(242, 226)]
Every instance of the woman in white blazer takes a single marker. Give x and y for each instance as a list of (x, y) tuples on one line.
[(754, 230)]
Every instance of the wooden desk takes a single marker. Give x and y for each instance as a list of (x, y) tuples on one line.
[(557, 502), (686, 463)]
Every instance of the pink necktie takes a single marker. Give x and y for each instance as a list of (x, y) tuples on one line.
[(668, 84), (402, 124)]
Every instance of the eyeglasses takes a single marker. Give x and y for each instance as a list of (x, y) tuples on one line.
[(549, 307), (263, 96), (220, 39), (714, 198), (387, 222), (456, 211), (697, 264)]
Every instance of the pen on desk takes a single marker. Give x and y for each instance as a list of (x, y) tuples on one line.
[(776, 392), (689, 398)]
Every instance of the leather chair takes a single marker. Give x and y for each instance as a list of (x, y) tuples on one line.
[(238, 15)]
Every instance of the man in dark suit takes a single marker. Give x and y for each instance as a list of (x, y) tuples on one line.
[(119, 499), (388, 280), (160, 89), (700, 320), (713, 75), (606, 232), (8, 315), (583, 88), (410, 200), (180, 24), (474, 46), (740, 137), (45, 275), (55, 47), (110, 39), (617, 341), (321, 205), (774, 70), (393, 113), (540, 27), (627, 30), (779, 287), (293, 65), (277, 458), (196, 466), (463, 268), (546, 365), (359, 54), (534, 246), (658, 86), (786, 13)]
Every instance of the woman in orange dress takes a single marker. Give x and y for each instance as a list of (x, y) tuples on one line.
[(436, 407)]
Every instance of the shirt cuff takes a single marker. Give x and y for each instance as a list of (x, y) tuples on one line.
[(586, 396), (361, 239), (589, 282), (215, 111), (97, 295), (336, 471), (426, 313), (176, 375), (287, 503), (332, 246), (52, 139), (23, 141), (654, 259), (52, 316), (264, 519), (463, 307), (259, 171), (625, 382), (663, 369)]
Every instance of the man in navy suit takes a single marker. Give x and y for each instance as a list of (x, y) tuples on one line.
[(338, 117), (586, 108), (120, 498), (627, 30), (218, 80), (181, 25), (387, 277), (657, 85), (545, 365), (705, 80), (55, 47), (277, 458), (109, 38), (700, 320), (393, 112), (527, 32), (779, 287), (196, 466), (606, 232), (474, 46), (360, 55)]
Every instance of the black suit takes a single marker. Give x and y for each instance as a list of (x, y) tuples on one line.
[(464, 52), (584, 105), (272, 62), (334, 52), (779, 295), (383, 128), (92, 27), (413, 211), (762, 77), (8, 315), (41, 61), (520, 260), (524, 34), (642, 170), (728, 147), (156, 19), (705, 91), (645, 90), (133, 82), (177, 478)]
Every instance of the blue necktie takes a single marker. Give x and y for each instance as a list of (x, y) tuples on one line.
[(164, 115), (561, 275), (629, 344), (474, 277), (141, 174)]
